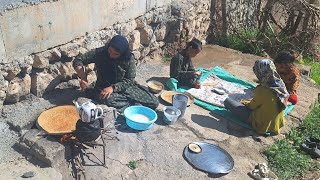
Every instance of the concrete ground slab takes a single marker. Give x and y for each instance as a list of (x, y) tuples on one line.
[(159, 150), (43, 147), (15, 170)]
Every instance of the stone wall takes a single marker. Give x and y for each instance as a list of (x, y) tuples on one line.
[(36, 62), (227, 15)]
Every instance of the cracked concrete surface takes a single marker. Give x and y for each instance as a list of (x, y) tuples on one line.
[(158, 151)]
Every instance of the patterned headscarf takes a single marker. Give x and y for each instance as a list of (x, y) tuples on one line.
[(266, 72), (120, 44)]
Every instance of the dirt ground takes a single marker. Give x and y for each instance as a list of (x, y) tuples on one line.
[(159, 150)]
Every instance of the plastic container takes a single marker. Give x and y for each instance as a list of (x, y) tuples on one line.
[(180, 101), (171, 114), (140, 117)]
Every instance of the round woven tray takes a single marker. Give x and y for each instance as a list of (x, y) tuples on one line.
[(167, 96), (59, 120)]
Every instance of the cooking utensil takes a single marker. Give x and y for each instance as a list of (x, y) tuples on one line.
[(167, 96), (212, 158)]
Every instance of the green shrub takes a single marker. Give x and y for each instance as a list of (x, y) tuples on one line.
[(286, 158), (315, 68), (286, 161), (245, 41)]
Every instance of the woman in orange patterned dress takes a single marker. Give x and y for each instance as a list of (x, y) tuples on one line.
[(289, 73)]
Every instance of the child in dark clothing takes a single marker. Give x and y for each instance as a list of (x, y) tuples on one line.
[(289, 73), (181, 67)]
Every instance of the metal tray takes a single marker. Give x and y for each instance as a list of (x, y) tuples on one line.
[(212, 158)]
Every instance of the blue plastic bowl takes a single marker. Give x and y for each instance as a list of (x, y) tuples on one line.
[(140, 117)]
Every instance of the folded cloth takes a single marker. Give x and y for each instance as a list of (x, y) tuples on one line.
[(172, 84)]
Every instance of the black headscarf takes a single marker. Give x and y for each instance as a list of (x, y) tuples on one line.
[(121, 45)]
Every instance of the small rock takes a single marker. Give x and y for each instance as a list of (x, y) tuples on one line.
[(144, 52), (134, 40), (161, 33), (41, 60), (28, 174), (141, 22), (40, 83), (313, 81), (136, 54), (146, 35), (70, 49), (18, 88)]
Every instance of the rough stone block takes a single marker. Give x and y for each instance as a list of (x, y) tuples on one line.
[(55, 54), (174, 27), (125, 28), (42, 82), (83, 51), (145, 52), (66, 69), (70, 49), (161, 33), (91, 67), (146, 35), (158, 19), (3, 89), (41, 60), (43, 147), (141, 22), (25, 68), (12, 71), (91, 41), (136, 54), (148, 17), (18, 89), (198, 24), (3, 57), (134, 40)]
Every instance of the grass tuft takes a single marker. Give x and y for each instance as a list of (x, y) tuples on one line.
[(315, 68), (133, 165), (285, 157)]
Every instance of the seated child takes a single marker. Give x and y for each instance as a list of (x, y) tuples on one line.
[(265, 111), (181, 67), (289, 73)]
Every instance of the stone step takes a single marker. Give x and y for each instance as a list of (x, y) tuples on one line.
[(42, 147)]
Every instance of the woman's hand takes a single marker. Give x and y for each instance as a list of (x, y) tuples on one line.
[(106, 92), (198, 73), (245, 101), (83, 85)]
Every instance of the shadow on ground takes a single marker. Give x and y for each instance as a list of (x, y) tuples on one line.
[(62, 96), (210, 175), (122, 126), (221, 124)]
